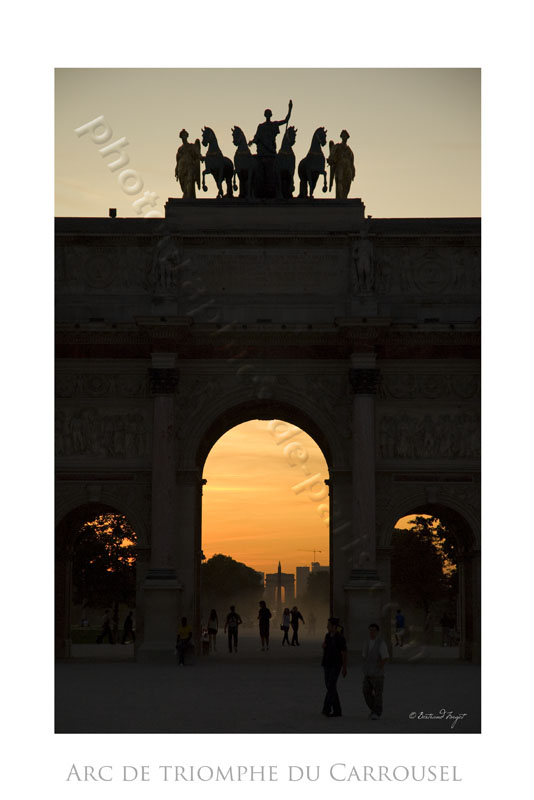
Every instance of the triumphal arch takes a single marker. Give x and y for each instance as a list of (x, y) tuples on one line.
[(363, 332)]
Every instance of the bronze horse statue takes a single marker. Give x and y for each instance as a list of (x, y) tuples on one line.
[(246, 166), (313, 164), (217, 165), (284, 165)]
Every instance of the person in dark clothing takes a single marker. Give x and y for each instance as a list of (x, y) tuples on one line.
[(128, 632), (106, 629), (334, 661), (295, 616), (264, 616), (233, 620)]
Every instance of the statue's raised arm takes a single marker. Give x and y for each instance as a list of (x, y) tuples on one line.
[(286, 120), (266, 133)]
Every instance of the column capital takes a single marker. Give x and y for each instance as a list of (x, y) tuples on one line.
[(163, 380), (364, 380)]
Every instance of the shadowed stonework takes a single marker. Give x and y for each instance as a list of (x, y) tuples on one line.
[(363, 332)]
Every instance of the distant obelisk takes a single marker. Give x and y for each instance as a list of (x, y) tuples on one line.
[(279, 586)]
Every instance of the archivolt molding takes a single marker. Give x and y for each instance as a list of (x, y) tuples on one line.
[(132, 499), (202, 400), (395, 500)]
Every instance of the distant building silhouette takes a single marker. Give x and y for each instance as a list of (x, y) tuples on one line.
[(302, 580), (275, 582)]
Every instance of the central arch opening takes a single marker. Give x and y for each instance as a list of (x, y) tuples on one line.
[(265, 526)]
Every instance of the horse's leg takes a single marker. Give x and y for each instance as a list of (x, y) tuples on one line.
[(325, 188), (303, 179), (204, 173), (313, 181)]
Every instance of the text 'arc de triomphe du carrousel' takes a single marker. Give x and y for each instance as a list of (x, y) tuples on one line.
[(267, 303)]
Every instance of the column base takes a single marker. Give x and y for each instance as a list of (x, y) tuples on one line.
[(364, 598), (161, 594)]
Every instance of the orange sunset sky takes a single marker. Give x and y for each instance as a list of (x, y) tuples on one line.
[(255, 506)]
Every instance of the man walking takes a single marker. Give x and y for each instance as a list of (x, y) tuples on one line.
[(375, 654), (295, 617), (233, 620), (334, 661)]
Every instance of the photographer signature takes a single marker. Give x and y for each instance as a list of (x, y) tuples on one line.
[(442, 714)]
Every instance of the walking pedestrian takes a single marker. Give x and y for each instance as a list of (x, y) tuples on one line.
[(295, 617), (183, 639), (285, 626), (105, 628), (264, 615), (213, 627), (399, 628), (128, 631), (233, 621), (375, 654), (334, 661)]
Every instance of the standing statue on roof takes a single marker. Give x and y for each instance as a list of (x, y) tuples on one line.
[(188, 160), (341, 161)]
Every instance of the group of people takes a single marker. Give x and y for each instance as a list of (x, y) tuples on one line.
[(106, 632), (290, 619), (334, 660), (374, 653)]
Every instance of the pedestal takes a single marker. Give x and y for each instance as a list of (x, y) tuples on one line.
[(162, 600), (364, 600)]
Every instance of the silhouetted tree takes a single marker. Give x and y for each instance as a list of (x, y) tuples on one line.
[(225, 581), (103, 569), (422, 565)]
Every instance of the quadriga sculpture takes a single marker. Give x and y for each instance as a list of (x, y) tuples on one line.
[(216, 164), (313, 165), (284, 165), (246, 166)]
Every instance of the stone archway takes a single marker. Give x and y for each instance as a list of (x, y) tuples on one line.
[(293, 418), (66, 534), (282, 428), (466, 539)]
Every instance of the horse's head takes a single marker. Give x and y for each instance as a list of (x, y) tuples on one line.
[(291, 135), (237, 136), (207, 136), (320, 134)]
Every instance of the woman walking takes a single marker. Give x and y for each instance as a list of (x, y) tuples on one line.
[(285, 626), (213, 627)]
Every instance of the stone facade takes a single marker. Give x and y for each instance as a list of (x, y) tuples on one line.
[(169, 332)]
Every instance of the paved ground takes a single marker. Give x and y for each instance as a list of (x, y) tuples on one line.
[(279, 691)]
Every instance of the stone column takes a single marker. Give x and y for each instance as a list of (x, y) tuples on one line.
[(469, 606), (189, 486), (161, 588), (340, 486), (363, 590)]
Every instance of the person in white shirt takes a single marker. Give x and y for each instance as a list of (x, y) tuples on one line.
[(375, 654)]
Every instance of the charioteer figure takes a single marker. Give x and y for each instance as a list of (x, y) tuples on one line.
[(265, 141)]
